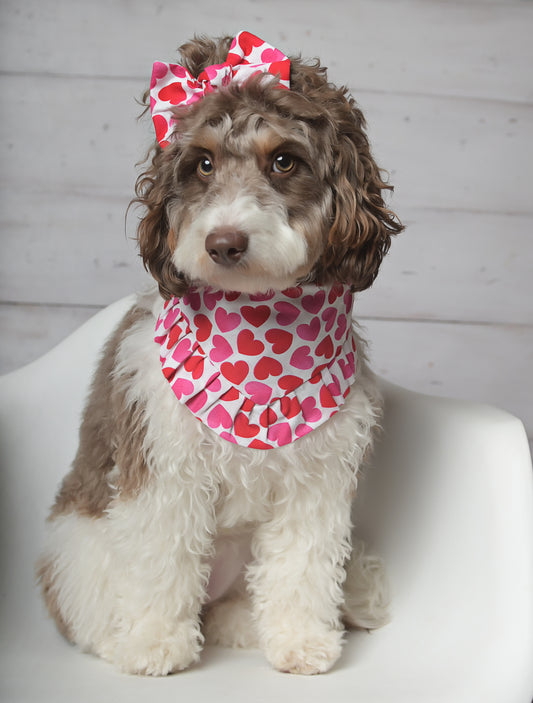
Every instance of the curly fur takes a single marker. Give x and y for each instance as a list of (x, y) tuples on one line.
[(352, 231), (163, 533)]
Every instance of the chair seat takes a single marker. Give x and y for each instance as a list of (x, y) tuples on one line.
[(448, 503)]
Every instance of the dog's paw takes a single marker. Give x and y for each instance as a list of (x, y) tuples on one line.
[(145, 652), (304, 652)]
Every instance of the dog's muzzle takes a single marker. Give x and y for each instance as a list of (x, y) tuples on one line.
[(226, 246)]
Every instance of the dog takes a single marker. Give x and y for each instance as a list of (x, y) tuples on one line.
[(211, 494)]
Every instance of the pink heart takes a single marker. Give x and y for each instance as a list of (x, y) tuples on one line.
[(193, 300), (302, 430), (182, 350), (213, 384), (348, 300), (329, 316), (335, 387), (341, 327), (170, 319), (221, 349), (197, 402), (313, 303), (280, 433), (219, 416), (259, 392), (309, 332), (229, 437), (271, 55), (348, 366), (287, 313), (301, 359), (261, 297), (182, 386), (227, 321), (211, 299), (309, 410)]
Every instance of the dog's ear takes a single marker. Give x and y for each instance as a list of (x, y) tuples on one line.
[(362, 225), (155, 237)]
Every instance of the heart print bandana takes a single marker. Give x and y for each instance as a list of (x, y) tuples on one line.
[(260, 370)]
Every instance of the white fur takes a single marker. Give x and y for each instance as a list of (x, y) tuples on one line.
[(131, 584), (275, 254)]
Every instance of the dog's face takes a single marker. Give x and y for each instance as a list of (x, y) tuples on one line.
[(263, 188)]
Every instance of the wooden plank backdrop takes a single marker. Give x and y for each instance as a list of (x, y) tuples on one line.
[(447, 89)]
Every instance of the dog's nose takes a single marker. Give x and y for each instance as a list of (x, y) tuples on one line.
[(226, 245)]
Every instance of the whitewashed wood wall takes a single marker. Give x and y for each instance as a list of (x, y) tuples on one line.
[(447, 87)]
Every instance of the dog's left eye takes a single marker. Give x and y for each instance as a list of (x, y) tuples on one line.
[(205, 166), (283, 163)]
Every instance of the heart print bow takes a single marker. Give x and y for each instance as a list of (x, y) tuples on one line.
[(173, 85)]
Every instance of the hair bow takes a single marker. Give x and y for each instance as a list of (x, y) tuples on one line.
[(173, 85)]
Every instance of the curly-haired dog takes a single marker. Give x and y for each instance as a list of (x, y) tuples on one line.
[(230, 414)]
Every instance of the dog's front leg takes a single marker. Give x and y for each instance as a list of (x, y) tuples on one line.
[(161, 540), (297, 576)]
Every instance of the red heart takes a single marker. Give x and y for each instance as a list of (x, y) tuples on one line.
[(280, 340), (266, 367), (204, 327), (195, 365), (161, 128), (289, 383), (325, 348), (172, 93), (173, 336), (256, 316), (243, 428), (290, 407), (235, 373), (247, 344), (232, 295), (268, 417), (257, 444), (335, 292), (168, 372), (293, 292), (230, 395)]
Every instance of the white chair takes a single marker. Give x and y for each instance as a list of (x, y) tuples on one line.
[(448, 503)]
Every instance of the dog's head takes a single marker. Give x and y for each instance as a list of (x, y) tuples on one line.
[(262, 188)]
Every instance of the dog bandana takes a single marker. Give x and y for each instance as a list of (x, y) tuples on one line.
[(260, 370), (173, 85)]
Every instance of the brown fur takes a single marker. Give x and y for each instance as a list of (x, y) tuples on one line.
[(45, 573), (354, 234), (111, 434)]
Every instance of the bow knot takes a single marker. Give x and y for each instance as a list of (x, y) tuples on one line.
[(173, 85)]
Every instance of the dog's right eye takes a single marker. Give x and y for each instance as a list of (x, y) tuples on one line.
[(205, 166)]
